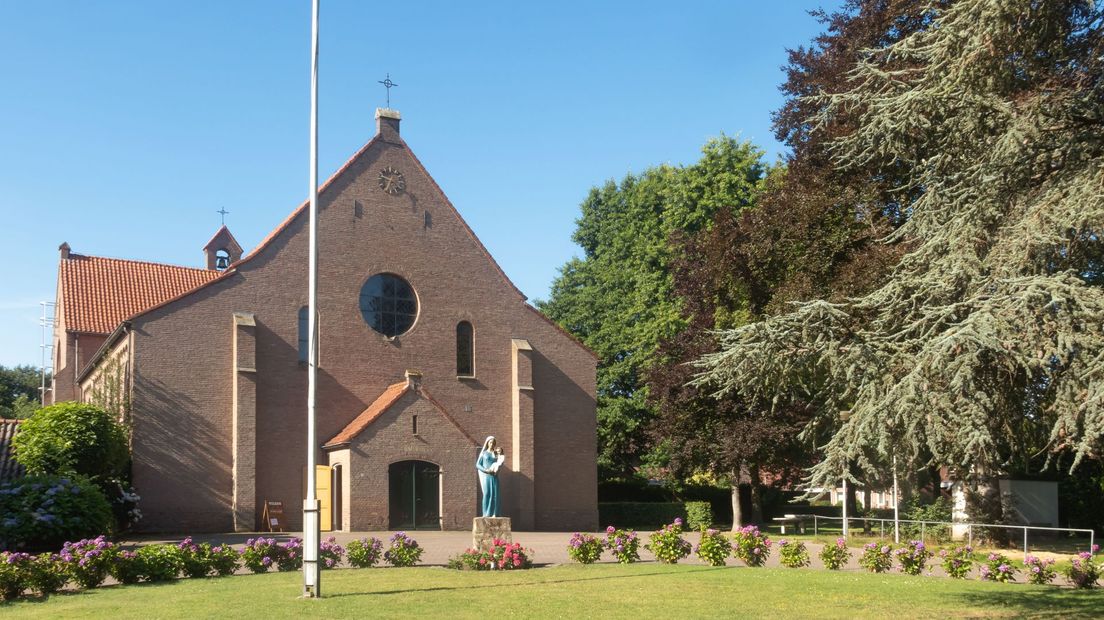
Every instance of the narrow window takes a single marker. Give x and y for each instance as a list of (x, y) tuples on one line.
[(415, 424), (465, 363), (304, 334)]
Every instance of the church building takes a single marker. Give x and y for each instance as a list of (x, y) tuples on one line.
[(425, 348)]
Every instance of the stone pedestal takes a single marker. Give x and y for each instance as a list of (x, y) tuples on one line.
[(486, 529)]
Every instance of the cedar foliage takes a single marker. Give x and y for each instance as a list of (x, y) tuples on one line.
[(804, 239), (986, 341)]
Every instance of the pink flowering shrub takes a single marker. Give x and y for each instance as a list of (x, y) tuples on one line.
[(751, 545), (792, 553), (88, 560), (997, 568), (15, 571), (1039, 571), (913, 557), (714, 547), (159, 562), (958, 562), (365, 552), (502, 555), (668, 545), (835, 556), (330, 553), (290, 557), (193, 558), (584, 548), (47, 574), (224, 560), (126, 567), (404, 551), (259, 554), (876, 557), (1083, 571), (624, 544)]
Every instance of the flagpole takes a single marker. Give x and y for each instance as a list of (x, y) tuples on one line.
[(312, 588)]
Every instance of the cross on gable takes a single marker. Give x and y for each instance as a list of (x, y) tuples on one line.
[(387, 83)]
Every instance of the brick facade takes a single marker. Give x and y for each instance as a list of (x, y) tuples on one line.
[(218, 399)]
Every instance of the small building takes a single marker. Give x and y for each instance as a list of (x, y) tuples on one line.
[(425, 347)]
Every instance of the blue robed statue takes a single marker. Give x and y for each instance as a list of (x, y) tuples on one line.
[(489, 461)]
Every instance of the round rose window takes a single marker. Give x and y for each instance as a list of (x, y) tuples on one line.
[(388, 304)]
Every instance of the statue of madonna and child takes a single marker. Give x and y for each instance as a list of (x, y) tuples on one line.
[(487, 464)]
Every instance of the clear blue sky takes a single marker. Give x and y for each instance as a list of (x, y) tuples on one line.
[(126, 125)]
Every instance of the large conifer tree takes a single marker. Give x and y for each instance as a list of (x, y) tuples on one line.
[(986, 342)]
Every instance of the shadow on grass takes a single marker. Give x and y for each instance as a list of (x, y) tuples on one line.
[(519, 585), (1036, 601)]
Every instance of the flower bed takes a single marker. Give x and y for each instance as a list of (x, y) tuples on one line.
[(997, 568), (1083, 571), (584, 548), (404, 551), (793, 554), (876, 557), (502, 555), (751, 546), (913, 557), (624, 544), (668, 545), (835, 556), (957, 562), (365, 552), (714, 547)]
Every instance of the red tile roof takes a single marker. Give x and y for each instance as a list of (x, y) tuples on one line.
[(98, 293), (379, 406)]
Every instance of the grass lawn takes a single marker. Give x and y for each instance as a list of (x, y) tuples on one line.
[(606, 590)]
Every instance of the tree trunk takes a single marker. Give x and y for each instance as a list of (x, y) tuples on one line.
[(866, 508), (737, 516), (756, 496)]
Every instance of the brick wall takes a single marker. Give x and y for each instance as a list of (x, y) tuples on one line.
[(183, 382)]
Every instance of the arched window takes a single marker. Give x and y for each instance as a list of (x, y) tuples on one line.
[(304, 334), (465, 350)]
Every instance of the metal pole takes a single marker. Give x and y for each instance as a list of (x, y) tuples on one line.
[(923, 524), (1025, 543), (970, 535), (312, 587), (845, 507), (814, 526), (896, 503)]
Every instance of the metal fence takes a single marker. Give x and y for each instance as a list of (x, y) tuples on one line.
[(894, 528)]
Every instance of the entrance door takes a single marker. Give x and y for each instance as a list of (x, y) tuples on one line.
[(414, 491)]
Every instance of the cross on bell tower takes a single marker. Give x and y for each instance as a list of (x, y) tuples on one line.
[(387, 83), (223, 212)]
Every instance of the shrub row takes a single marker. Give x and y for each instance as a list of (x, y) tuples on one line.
[(87, 563), (753, 548)]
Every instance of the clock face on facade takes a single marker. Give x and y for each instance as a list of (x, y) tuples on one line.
[(392, 181)]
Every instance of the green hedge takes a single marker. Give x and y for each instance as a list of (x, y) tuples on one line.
[(640, 514)]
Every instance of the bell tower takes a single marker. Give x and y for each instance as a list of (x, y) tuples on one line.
[(222, 250)]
